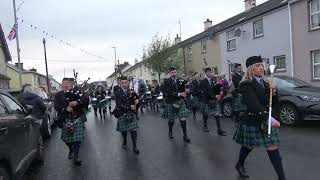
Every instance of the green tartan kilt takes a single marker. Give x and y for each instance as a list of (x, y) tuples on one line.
[(238, 104), (171, 112), (127, 122), (252, 136), (78, 134), (195, 102), (212, 108)]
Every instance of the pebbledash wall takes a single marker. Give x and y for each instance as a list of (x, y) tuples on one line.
[(275, 41)]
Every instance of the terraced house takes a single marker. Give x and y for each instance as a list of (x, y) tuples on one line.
[(4, 58)]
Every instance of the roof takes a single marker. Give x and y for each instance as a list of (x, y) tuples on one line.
[(23, 70), (12, 66), (4, 77), (254, 12), (120, 68), (4, 45), (134, 66)]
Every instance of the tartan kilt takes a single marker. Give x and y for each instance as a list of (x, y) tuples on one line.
[(238, 104), (195, 102), (78, 134), (252, 136), (172, 113), (212, 108), (127, 122)]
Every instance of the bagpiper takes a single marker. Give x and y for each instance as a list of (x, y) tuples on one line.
[(211, 94), (252, 131), (196, 93), (125, 112), (238, 106), (174, 104), (69, 107), (100, 94)]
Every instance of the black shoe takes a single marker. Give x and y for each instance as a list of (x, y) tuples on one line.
[(186, 139), (206, 129), (124, 146), (70, 156), (77, 162), (221, 133), (136, 150), (170, 135), (242, 171)]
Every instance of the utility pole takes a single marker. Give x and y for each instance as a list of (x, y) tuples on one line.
[(115, 60), (17, 41), (45, 58), (180, 29)]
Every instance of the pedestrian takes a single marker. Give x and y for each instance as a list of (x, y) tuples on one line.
[(196, 93), (155, 94), (211, 94), (238, 106), (100, 94), (252, 131), (174, 93), (69, 107), (125, 111), (109, 99)]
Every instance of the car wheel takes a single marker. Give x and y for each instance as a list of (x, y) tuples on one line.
[(40, 151), (288, 114), (46, 128), (4, 174), (227, 109)]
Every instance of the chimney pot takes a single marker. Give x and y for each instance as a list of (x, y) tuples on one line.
[(207, 24), (249, 4)]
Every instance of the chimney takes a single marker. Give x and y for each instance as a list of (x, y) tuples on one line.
[(249, 4), (177, 39), (17, 65), (207, 24), (33, 70)]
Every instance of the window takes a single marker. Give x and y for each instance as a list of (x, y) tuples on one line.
[(2, 108), (316, 64), (314, 14), (140, 70), (258, 28), (13, 106), (231, 41), (204, 46), (280, 62), (190, 54)]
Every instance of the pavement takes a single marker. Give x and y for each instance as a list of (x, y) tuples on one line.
[(208, 157)]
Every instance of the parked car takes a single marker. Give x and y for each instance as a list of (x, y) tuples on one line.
[(20, 138), (298, 101), (51, 112)]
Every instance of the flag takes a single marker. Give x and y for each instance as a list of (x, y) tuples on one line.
[(13, 33)]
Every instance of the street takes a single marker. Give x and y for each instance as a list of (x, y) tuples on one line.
[(207, 157)]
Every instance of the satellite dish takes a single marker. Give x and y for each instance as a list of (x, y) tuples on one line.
[(237, 32)]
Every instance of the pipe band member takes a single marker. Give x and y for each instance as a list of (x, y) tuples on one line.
[(70, 107), (237, 106), (101, 103), (196, 93), (174, 104), (125, 111), (211, 93), (252, 130)]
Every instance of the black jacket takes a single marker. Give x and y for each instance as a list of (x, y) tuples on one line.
[(100, 95), (170, 90), (236, 79), (123, 101), (39, 108), (209, 92), (195, 88), (256, 98)]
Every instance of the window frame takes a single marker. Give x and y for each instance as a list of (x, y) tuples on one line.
[(313, 64), (3, 105), (190, 54), (254, 29), (10, 111), (204, 44), (311, 14), (229, 40), (285, 63)]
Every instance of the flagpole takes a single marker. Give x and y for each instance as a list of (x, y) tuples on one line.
[(17, 41)]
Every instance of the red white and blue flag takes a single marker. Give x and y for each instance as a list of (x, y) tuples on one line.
[(13, 33)]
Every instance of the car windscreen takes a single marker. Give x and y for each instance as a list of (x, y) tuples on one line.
[(289, 82)]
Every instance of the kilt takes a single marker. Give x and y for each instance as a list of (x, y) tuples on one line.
[(127, 122), (171, 112), (195, 102), (252, 136), (212, 108), (78, 134), (238, 104)]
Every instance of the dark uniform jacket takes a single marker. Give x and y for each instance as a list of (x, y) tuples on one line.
[(124, 101), (170, 90), (236, 78), (209, 92), (100, 95), (116, 88), (256, 98), (195, 88)]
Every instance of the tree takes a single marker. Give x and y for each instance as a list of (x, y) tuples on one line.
[(161, 54)]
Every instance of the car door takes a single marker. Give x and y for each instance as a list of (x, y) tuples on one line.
[(13, 132)]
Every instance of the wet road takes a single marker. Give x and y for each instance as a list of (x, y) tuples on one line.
[(208, 157)]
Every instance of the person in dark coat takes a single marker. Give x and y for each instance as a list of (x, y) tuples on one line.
[(125, 111), (28, 97), (195, 92), (174, 104), (211, 93), (238, 106), (100, 94), (70, 108), (252, 131)]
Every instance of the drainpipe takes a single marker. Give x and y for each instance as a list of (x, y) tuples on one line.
[(291, 39)]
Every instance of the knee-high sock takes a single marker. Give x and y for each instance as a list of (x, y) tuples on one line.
[(218, 123), (170, 124), (236, 117), (70, 147), (124, 136), (76, 148), (205, 120), (275, 158), (134, 136), (243, 154), (183, 124), (194, 111)]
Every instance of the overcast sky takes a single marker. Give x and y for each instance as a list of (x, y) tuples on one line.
[(98, 25)]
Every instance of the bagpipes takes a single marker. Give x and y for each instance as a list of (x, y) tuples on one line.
[(183, 86)]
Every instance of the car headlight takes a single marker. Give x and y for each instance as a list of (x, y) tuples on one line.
[(309, 98)]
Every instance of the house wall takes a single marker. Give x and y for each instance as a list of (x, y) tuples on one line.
[(3, 62)]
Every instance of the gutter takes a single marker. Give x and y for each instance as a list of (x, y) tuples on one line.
[(291, 38)]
